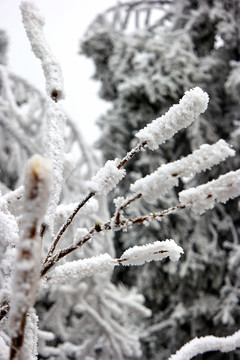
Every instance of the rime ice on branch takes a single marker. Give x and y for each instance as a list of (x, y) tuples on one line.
[(38, 184), (137, 255), (203, 197), (179, 116), (34, 22), (204, 344), (106, 178), (166, 176)]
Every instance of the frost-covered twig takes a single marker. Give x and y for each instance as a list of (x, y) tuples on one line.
[(55, 116), (66, 224), (202, 345), (33, 23), (191, 105), (137, 255), (203, 197), (167, 175), (124, 224), (56, 119), (38, 181), (180, 116)]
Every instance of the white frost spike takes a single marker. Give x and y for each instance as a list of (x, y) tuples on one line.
[(166, 176), (106, 178), (34, 23), (203, 197), (179, 116), (79, 269), (38, 185), (202, 345), (138, 255)]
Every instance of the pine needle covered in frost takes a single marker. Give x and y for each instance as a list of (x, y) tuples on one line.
[(166, 176), (179, 116), (203, 197)]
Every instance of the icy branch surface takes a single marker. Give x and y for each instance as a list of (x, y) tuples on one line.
[(138, 255), (34, 23), (202, 345), (38, 185), (179, 116), (203, 197), (81, 268), (106, 178), (29, 348), (56, 120), (166, 176)]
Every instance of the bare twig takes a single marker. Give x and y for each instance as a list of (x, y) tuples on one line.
[(66, 224), (124, 224), (62, 230)]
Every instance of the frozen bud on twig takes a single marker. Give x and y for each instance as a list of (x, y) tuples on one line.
[(203, 197), (34, 23), (38, 184), (179, 116), (138, 255), (166, 176), (106, 178)]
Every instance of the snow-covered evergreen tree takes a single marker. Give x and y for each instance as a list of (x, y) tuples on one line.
[(147, 54)]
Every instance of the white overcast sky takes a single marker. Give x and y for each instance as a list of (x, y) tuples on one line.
[(66, 23)]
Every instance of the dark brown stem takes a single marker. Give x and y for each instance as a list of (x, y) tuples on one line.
[(66, 224), (123, 206), (128, 157), (104, 227), (131, 154)]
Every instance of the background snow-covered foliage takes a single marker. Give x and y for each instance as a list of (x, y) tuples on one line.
[(143, 72)]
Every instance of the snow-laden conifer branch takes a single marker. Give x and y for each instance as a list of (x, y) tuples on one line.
[(167, 175), (38, 186), (205, 196), (34, 23), (137, 255), (193, 103), (204, 344)]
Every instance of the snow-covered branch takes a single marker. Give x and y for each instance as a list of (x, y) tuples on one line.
[(167, 176), (180, 116), (208, 343), (34, 23), (203, 197), (38, 186), (137, 255)]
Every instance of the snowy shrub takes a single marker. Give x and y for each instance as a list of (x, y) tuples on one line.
[(57, 255)]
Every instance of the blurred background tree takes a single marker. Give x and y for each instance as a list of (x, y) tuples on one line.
[(146, 55)]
